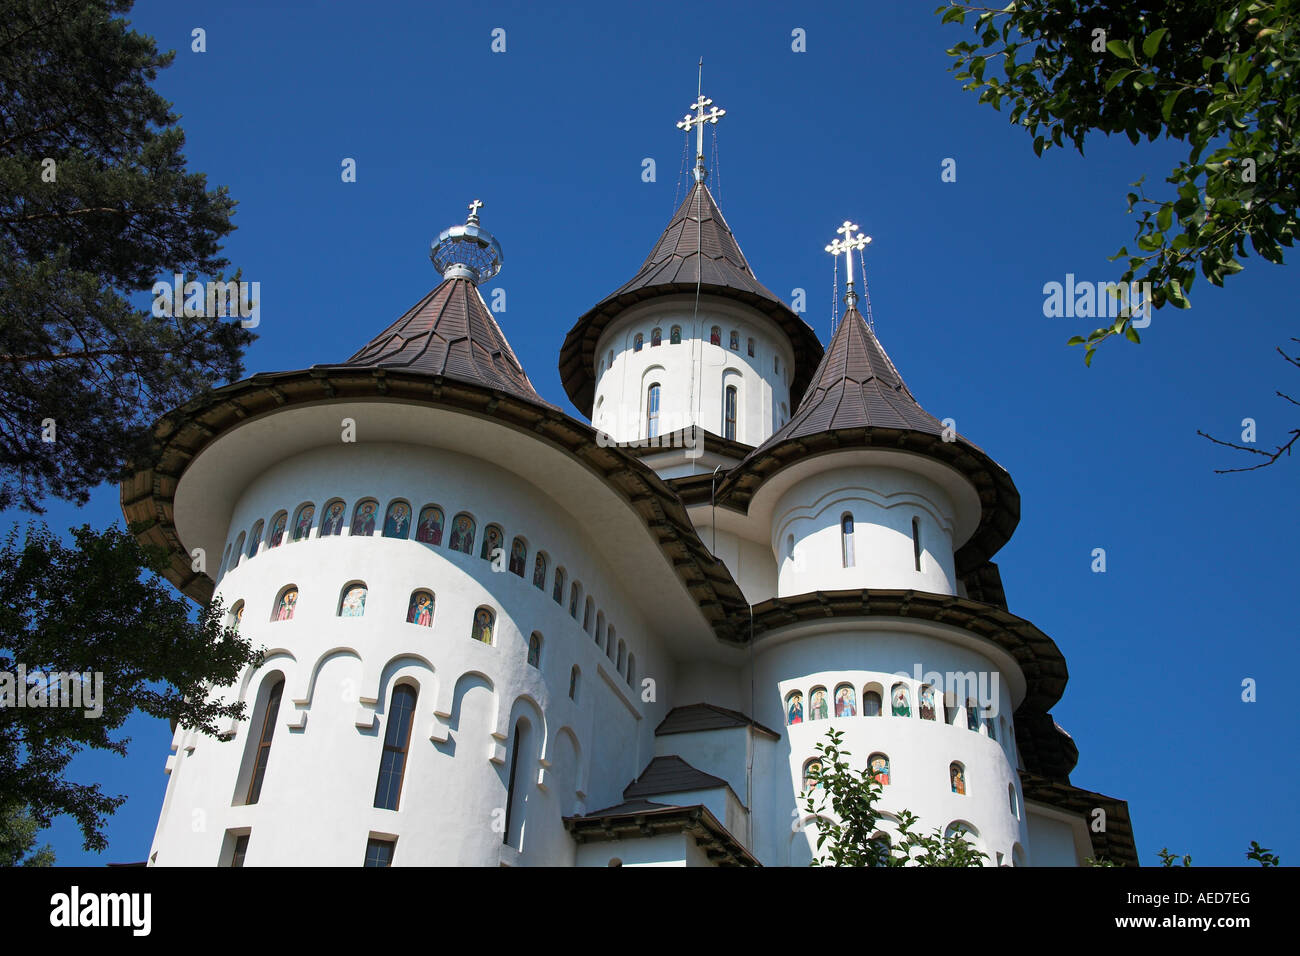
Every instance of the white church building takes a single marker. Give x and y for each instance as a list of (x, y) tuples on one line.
[(498, 635)]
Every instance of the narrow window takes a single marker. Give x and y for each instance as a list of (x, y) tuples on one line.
[(729, 412), (518, 556), (397, 520), (254, 539), (558, 593), (622, 652), (916, 542), (302, 522), (462, 534), (776, 365), (794, 708), (331, 523), (631, 668), (871, 704), (638, 342), (575, 592), (972, 716), (276, 536), (420, 609), (879, 766), (535, 650), (901, 701), (285, 604), (429, 530), (652, 411), (818, 709), (392, 764), (600, 627), (846, 539), (1011, 799), (493, 541), (264, 744), (573, 684), (363, 517), (846, 701), (353, 601), (515, 798), (587, 613), (927, 702), (675, 336), (751, 347), (241, 851), (539, 571), (610, 362), (812, 771), (379, 852), (656, 338)]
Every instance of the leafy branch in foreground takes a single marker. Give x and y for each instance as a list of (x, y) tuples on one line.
[(1220, 77), (843, 801)]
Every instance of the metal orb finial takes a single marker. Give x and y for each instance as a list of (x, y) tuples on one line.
[(468, 251)]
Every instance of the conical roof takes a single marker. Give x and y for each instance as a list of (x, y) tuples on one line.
[(697, 250), (450, 332), (858, 399)]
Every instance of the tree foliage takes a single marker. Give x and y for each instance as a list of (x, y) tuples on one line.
[(1217, 75), (18, 829), (96, 204), (88, 608), (843, 802)]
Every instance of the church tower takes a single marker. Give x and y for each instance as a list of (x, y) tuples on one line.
[(693, 342)]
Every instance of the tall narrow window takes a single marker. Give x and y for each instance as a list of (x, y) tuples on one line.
[(515, 797), (484, 622), (264, 744), (846, 539), (729, 413), (573, 684), (751, 348), (535, 650), (715, 336), (916, 542), (241, 850), (652, 411), (539, 571), (379, 852), (575, 592), (558, 594), (631, 669), (587, 612), (392, 764)]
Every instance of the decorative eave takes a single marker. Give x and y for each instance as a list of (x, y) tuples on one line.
[(695, 718), (677, 440), (651, 820), (1044, 746), (697, 252), (1036, 654), (999, 499), (148, 496), (1115, 842)]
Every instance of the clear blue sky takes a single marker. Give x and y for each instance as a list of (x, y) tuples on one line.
[(551, 135)]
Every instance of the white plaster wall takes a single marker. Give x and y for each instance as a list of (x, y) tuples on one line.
[(920, 751), (692, 374), (1051, 841), (666, 849), (807, 541), (340, 672)]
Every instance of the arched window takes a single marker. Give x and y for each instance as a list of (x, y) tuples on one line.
[(484, 620), (960, 828), (558, 593), (916, 542), (224, 558), (420, 609), (675, 336), (846, 701), (263, 753), (957, 777), (254, 539), (871, 704), (285, 602), (600, 627), (846, 539), (631, 668), (397, 520), (462, 534), (278, 524), (574, 674), (588, 612), (352, 603), (302, 521), (750, 347), (238, 552), (991, 728), (236, 616), (494, 540), (972, 716), (429, 529), (539, 571), (575, 593), (776, 365), (638, 342), (1013, 801), (610, 638), (535, 649), (622, 656), (794, 708), (517, 788), (397, 738), (951, 710), (818, 706), (652, 411), (734, 341), (364, 517), (926, 702), (518, 556), (332, 520), (812, 775), (715, 336), (785, 415), (878, 765), (901, 701), (729, 412), (656, 338)]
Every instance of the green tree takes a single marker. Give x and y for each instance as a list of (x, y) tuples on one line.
[(843, 801), (18, 830), (96, 204), (88, 609), (1217, 75)]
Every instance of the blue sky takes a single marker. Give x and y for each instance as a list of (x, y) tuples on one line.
[(551, 135)]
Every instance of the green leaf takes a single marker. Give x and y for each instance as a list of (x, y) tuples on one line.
[(954, 13), (1076, 340), (1117, 78), (1152, 43), (1131, 334), (1121, 49), (1165, 217), (1167, 107), (1175, 290)]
